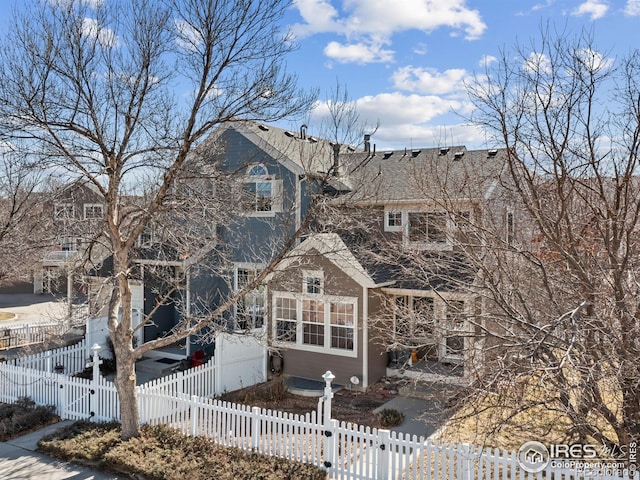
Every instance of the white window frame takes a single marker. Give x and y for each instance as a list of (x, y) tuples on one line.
[(442, 328), (326, 300), (89, 206), (275, 187), (312, 274), (450, 330), (387, 224), (74, 242), (255, 269), (64, 211)]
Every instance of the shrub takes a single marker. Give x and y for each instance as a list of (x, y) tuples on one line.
[(390, 417), (24, 416), (163, 453)]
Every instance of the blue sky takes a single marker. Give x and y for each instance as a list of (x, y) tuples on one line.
[(405, 61)]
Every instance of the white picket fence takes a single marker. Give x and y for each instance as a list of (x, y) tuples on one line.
[(69, 360), (29, 334), (347, 451)]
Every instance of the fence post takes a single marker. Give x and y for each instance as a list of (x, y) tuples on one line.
[(195, 414), (329, 425), (62, 396), (255, 429), (465, 462), (382, 452), (93, 398)]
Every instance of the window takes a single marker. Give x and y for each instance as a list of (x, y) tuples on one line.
[(286, 318), (250, 308), (257, 190), (92, 210), (510, 228), (455, 333), (424, 317), (313, 282), (414, 318), (342, 325), (250, 311), (70, 244), (63, 211), (393, 221), (313, 322), (429, 227)]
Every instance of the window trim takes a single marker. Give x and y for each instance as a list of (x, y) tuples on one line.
[(442, 329), (255, 269), (275, 187), (90, 206), (327, 300), (387, 224), (315, 274), (60, 211)]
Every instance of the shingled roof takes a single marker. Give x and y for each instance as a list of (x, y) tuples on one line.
[(422, 174)]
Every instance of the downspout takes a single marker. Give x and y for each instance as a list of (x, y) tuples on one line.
[(365, 337), (298, 203)]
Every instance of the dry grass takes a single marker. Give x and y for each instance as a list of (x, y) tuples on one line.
[(516, 413), (162, 453), (7, 316)]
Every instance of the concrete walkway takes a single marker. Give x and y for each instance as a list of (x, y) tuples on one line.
[(424, 407), (20, 461)]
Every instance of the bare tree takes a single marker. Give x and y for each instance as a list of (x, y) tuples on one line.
[(21, 226), (120, 93), (563, 291)]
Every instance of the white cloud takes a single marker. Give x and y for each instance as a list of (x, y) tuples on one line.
[(188, 37), (410, 135), (397, 108), (105, 36), (595, 8), (429, 80), (371, 22), (357, 53), (537, 63), (487, 60), (632, 8)]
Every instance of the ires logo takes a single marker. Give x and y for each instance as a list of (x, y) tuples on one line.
[(534, 456)]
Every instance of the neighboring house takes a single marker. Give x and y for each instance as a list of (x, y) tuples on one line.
[(76, 214), (355, 300)]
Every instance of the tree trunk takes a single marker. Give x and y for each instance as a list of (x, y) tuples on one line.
[(122, 336), (126, 387)]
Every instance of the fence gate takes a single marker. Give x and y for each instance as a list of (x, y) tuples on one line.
[(75, 398)]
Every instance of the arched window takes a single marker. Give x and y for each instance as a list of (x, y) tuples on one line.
[(258, 189)]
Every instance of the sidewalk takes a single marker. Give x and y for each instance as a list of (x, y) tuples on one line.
[(20, 461)]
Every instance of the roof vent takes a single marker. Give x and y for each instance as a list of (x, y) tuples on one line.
[(264, 128), (387, 155), (444, 151), (492, 152), (351, 148), (290, 134), (415, 153), (458, 155), (312, 139)]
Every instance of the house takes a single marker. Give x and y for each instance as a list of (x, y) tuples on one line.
[(75, 213), (394, 287), (259, 181)]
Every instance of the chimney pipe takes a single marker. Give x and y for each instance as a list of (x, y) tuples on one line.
[(367, 142)]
